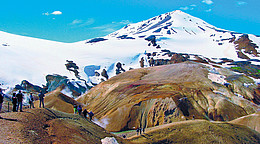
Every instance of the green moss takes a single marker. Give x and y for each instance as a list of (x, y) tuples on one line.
[(236, 68), (249, 70)]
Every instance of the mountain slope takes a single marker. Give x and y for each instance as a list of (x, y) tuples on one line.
[(251, 121), (50, 126), (148, 97), (199, 131), (81, 63)]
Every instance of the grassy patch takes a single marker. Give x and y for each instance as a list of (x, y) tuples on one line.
[(236, 68), (249, 70)]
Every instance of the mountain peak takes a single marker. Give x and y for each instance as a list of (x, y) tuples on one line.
[(164, 24)]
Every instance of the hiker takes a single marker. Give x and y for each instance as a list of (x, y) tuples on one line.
[(137, 131), (41, 98), (143, 129), (85, 112), (14, 101), (1, 99), (91, 114), (31, 101), (75, 109), (20, 100), (151, 62), (141, 62), (79, 109)]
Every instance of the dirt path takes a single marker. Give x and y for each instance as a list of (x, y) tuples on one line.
[(132, 133)]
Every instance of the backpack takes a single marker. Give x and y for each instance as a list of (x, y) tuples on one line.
[(91, 113), (41, 95)]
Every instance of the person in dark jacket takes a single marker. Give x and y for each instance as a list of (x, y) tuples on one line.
[(85, 112), (1, 99), (14, 101), (137, 131), (20, 100), (79, 109), (41, 98), (143, 130), (31, 99), (91, 114)]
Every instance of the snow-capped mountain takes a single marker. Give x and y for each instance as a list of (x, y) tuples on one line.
[(31, 59)]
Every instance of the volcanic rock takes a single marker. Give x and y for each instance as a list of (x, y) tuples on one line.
[(158, 95)]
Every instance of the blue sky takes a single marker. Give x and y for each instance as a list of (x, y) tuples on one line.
[(76, 20)]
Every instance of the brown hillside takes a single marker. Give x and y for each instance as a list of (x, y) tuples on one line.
[(38, 126), (58, 101), (199, 131), (252, 121), (154, 96)]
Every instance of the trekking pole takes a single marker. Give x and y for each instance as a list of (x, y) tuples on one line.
[(8, 107)]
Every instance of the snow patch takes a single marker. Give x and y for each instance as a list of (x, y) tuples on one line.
[(217, 78), (109, 140), (67, 92), (103, 122)]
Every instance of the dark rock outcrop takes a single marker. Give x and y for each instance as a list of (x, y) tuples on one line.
[(152, 39), (104, 73), (94, 40), (55, 81), (247, 45), (119, 68), (25, 85)]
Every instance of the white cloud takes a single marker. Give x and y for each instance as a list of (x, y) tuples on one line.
[(47, 13), (209, 10), (209, 2), (109, 30), (191, 7), (240, 3), (82, 23), (56, 13), (125, 22), (112, 27), (53, 13), (76, 21), (106, 28), (184, 8)]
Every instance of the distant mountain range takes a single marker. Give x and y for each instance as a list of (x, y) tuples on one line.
[(169, 38)]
